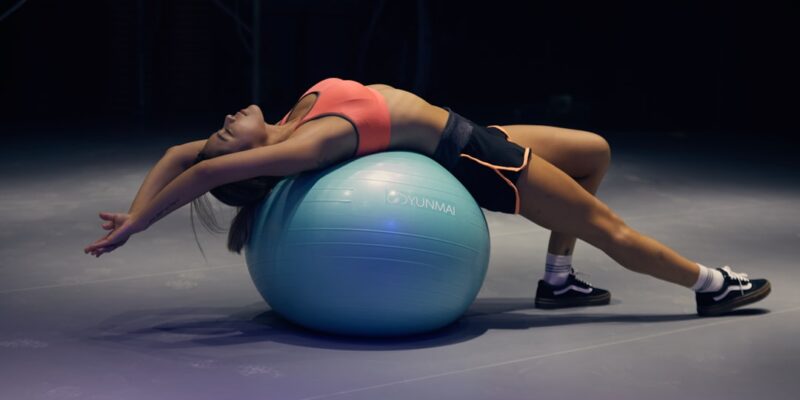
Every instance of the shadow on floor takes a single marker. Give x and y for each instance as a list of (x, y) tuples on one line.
[(179, 328)]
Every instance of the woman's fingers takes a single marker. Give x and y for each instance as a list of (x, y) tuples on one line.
[(98, 251), (92, 247), (113, 219), (102, 242), (109, 218), (121, 228), (112, 241), (106, 249)]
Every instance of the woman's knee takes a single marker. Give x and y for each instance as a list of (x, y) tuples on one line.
[(594, 155), (601, 150)]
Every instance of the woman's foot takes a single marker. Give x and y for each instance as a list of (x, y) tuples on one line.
[(737, 291), (573, 293)]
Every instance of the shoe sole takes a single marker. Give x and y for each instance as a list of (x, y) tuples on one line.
[(751, 298), (573, 302)]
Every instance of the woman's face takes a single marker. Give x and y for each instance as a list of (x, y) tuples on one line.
[(244, 130)]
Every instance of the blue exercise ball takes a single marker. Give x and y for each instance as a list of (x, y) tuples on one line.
[(382, 245)]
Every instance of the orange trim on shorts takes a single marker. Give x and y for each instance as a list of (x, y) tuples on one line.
[(497, 168), (501, 129)]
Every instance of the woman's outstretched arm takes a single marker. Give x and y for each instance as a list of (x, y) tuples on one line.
[(175, 160), (188, 185), (282, 159)]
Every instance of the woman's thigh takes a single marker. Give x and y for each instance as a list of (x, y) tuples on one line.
[(554, 200), (578, 153)]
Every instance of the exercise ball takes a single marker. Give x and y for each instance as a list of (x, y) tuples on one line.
[(382, 245)]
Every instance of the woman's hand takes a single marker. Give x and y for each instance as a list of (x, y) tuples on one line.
[(122, 226)]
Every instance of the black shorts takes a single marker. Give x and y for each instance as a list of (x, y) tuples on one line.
[(484, 161)]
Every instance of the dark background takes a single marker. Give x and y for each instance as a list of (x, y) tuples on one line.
[(716, 69)]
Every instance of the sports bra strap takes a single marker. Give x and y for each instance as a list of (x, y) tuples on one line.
[(362, 106)]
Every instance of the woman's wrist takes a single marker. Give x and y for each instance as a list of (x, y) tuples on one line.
[(138, 223)]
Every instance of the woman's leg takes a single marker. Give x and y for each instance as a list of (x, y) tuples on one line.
[(583, 155), (554, 200), (563, 243)]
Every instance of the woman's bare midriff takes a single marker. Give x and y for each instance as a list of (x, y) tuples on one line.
[(416, 124)]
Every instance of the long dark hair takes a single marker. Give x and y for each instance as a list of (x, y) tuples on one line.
[(246, 195)]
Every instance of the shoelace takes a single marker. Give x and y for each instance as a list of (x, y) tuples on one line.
[(739, 276), (575, 274)]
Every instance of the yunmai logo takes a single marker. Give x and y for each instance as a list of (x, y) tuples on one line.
[(414, 200)]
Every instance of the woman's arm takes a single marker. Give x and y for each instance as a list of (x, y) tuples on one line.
[(282, 159), (175, 160), (188, 185)]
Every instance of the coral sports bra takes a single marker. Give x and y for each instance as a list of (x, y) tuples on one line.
[(363, 107)]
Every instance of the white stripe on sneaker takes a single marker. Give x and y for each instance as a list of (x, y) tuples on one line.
[(572, 287), (732, 288)]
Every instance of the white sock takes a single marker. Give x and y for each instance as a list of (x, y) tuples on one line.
[(557, 269), (710, 280)]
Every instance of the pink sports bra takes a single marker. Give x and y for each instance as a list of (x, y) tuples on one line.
[(363, 107)]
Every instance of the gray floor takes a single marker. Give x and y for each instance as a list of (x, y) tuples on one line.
[(154, 320)]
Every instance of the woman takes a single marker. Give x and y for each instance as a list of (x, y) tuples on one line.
[(337, 120)]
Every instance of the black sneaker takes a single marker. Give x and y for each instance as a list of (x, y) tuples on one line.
[(737, 290), (573, 293)]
